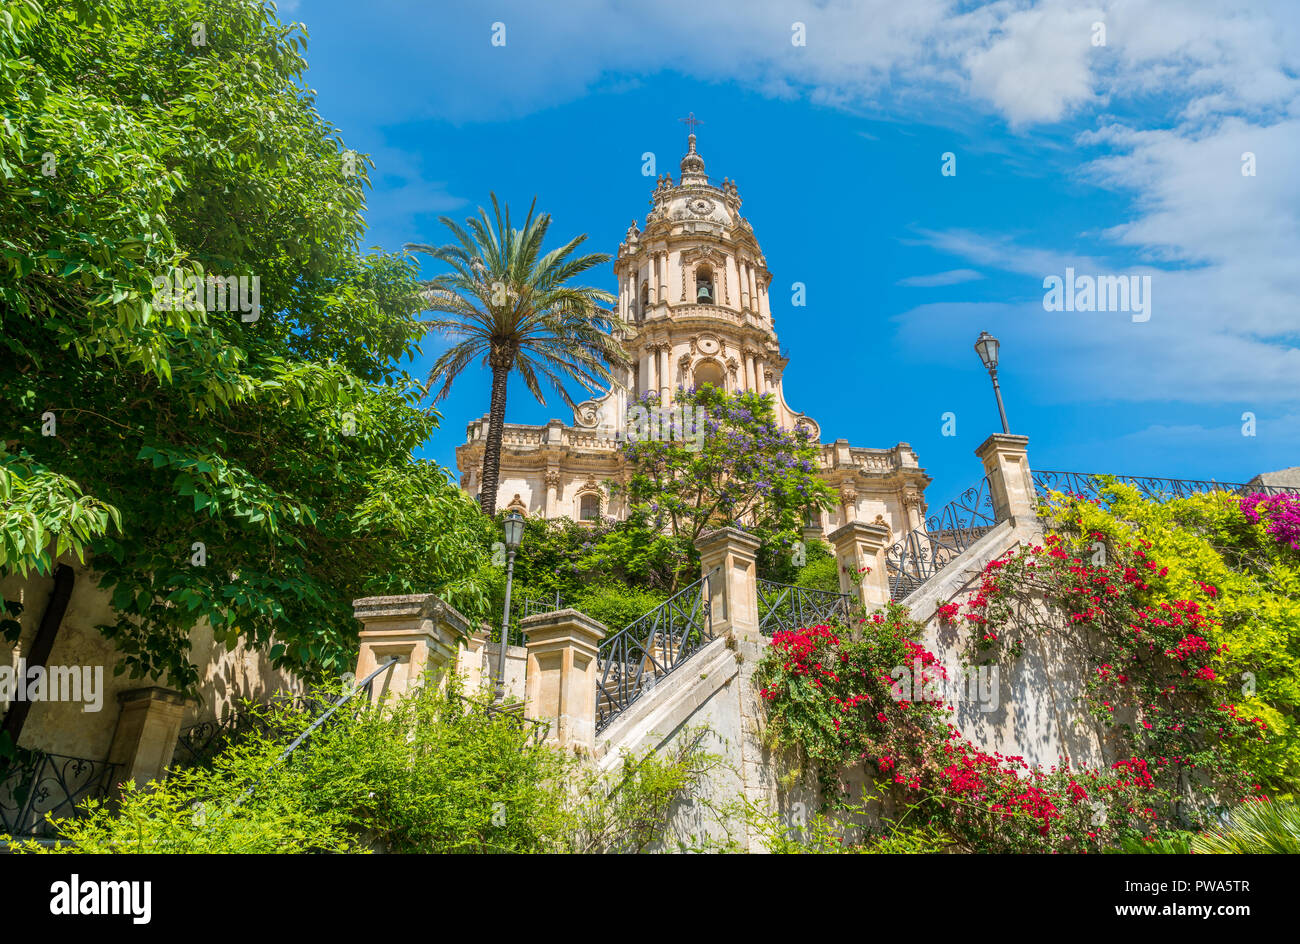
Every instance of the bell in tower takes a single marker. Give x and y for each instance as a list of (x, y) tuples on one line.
[(704, 296)]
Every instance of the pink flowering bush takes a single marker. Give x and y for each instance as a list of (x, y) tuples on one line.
[(1279, 514)]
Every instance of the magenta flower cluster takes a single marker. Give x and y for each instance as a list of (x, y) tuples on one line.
[(1280, 515)]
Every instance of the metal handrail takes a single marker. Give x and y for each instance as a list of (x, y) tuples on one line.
[(634, 659), (363, 686), (61, 778), (513, 713), (807, 606)]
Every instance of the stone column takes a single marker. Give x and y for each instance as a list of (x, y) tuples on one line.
[(859, 545), (470, 660), (148, 724), (727, 557), (561, 675), (552, 492), (849, 503), (749, 370), (420, 630), (665, 376), (1006, 462)]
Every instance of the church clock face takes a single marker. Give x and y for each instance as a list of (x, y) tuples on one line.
[(707, 344), (700, 206)]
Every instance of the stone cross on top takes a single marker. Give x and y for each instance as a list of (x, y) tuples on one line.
[(690, 121)]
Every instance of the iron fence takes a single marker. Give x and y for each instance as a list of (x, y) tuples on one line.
[(922, 552), (633, 660), (783, 606), (36, 784), (1089, 485)]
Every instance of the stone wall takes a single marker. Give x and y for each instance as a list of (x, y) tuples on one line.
[(226, 677)]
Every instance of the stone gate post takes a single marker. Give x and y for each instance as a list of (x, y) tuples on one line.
[(857, 546), (422, 631), (1006, 462), (561, 675), (728, 557)]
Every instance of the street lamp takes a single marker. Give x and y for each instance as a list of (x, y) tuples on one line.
[(986, 346), (514, 528)]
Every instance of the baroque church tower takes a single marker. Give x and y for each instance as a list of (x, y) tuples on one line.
[(693, 308)]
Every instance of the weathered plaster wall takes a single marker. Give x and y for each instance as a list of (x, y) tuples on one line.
[(227, 677)]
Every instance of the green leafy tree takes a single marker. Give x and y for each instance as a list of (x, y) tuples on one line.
[(247, 466), (511, 306), (728, 465)]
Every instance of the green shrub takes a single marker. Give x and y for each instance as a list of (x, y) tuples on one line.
[(423, 775), (616, 606), (1255, 827)]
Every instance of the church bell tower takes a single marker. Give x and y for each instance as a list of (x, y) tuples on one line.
[(693, 301)]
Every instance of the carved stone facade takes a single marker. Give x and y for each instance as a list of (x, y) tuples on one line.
[(693, 308)]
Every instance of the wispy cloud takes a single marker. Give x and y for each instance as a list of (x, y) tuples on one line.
[(938, 279)]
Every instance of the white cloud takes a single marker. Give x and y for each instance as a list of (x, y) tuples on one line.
[(951, 277)]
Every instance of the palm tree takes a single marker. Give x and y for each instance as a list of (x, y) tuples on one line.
[(505, 302)]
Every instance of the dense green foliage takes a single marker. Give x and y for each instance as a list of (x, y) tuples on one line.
[(248, 468), (428, 774), (1204, 548)]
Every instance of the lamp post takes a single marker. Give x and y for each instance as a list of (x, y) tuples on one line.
[(514, 528), (986, 346)]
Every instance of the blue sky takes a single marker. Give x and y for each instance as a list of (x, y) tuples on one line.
[(1117, 159)]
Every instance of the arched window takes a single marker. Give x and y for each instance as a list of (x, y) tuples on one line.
[(589, 507), (645, 301), (709, 372), (705, 294)]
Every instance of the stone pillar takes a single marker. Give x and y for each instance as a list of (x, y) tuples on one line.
[(470, 660), (733, 588), (665, 376), (1006, 462), (552, 493), (148, 724), (849, 503), (420, 630), (859, 545), (561, 675)]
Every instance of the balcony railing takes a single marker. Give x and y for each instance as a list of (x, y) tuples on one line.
[(784, 607), (637, 657), (48, 784)]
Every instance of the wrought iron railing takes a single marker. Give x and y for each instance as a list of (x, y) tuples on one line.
[(921, 553), (364, 688), (783, 606), (634, 659), (199, 743), (534, 605), (1090, 484), (534, 728), (528, 606), (53, 784)]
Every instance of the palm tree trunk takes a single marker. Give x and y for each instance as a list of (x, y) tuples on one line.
[(487, 496)]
